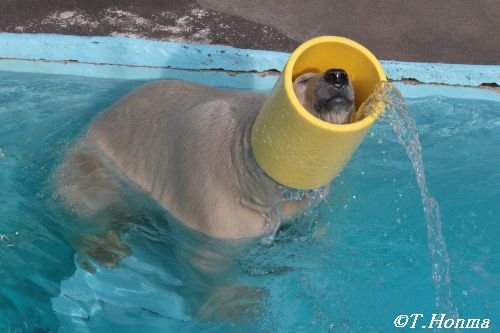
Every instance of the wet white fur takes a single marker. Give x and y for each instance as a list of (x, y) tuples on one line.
[(188, 147)]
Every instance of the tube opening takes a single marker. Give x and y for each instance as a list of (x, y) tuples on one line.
[(322, 53)]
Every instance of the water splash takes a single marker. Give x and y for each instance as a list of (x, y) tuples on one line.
[(397, 115), (273, 222), (6, 241), (308, 198)]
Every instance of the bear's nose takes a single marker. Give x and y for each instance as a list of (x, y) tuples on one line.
[(336, 77)]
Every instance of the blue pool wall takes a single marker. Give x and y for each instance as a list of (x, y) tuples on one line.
[(142, 59)]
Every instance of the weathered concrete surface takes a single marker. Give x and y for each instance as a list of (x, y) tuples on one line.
[(453, 31), (173, 20), (456, 31)]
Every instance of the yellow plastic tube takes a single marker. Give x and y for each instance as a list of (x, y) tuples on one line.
[(294, 147)]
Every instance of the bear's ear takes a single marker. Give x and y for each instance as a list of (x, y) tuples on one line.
[(304, 78)]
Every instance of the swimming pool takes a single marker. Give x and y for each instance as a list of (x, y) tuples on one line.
[(350, 265)]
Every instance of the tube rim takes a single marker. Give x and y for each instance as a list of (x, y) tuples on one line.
[(288, 77)]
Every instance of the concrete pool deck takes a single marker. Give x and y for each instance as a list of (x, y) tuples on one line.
[(454, 31)]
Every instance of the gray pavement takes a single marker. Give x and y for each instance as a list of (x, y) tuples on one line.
[(452, 31)]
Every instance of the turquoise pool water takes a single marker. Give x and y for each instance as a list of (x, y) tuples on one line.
[(350, 265)]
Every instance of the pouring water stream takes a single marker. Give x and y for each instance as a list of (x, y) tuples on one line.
[(397, 115)]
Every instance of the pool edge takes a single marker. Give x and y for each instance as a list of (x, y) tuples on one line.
[(144, 59)]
